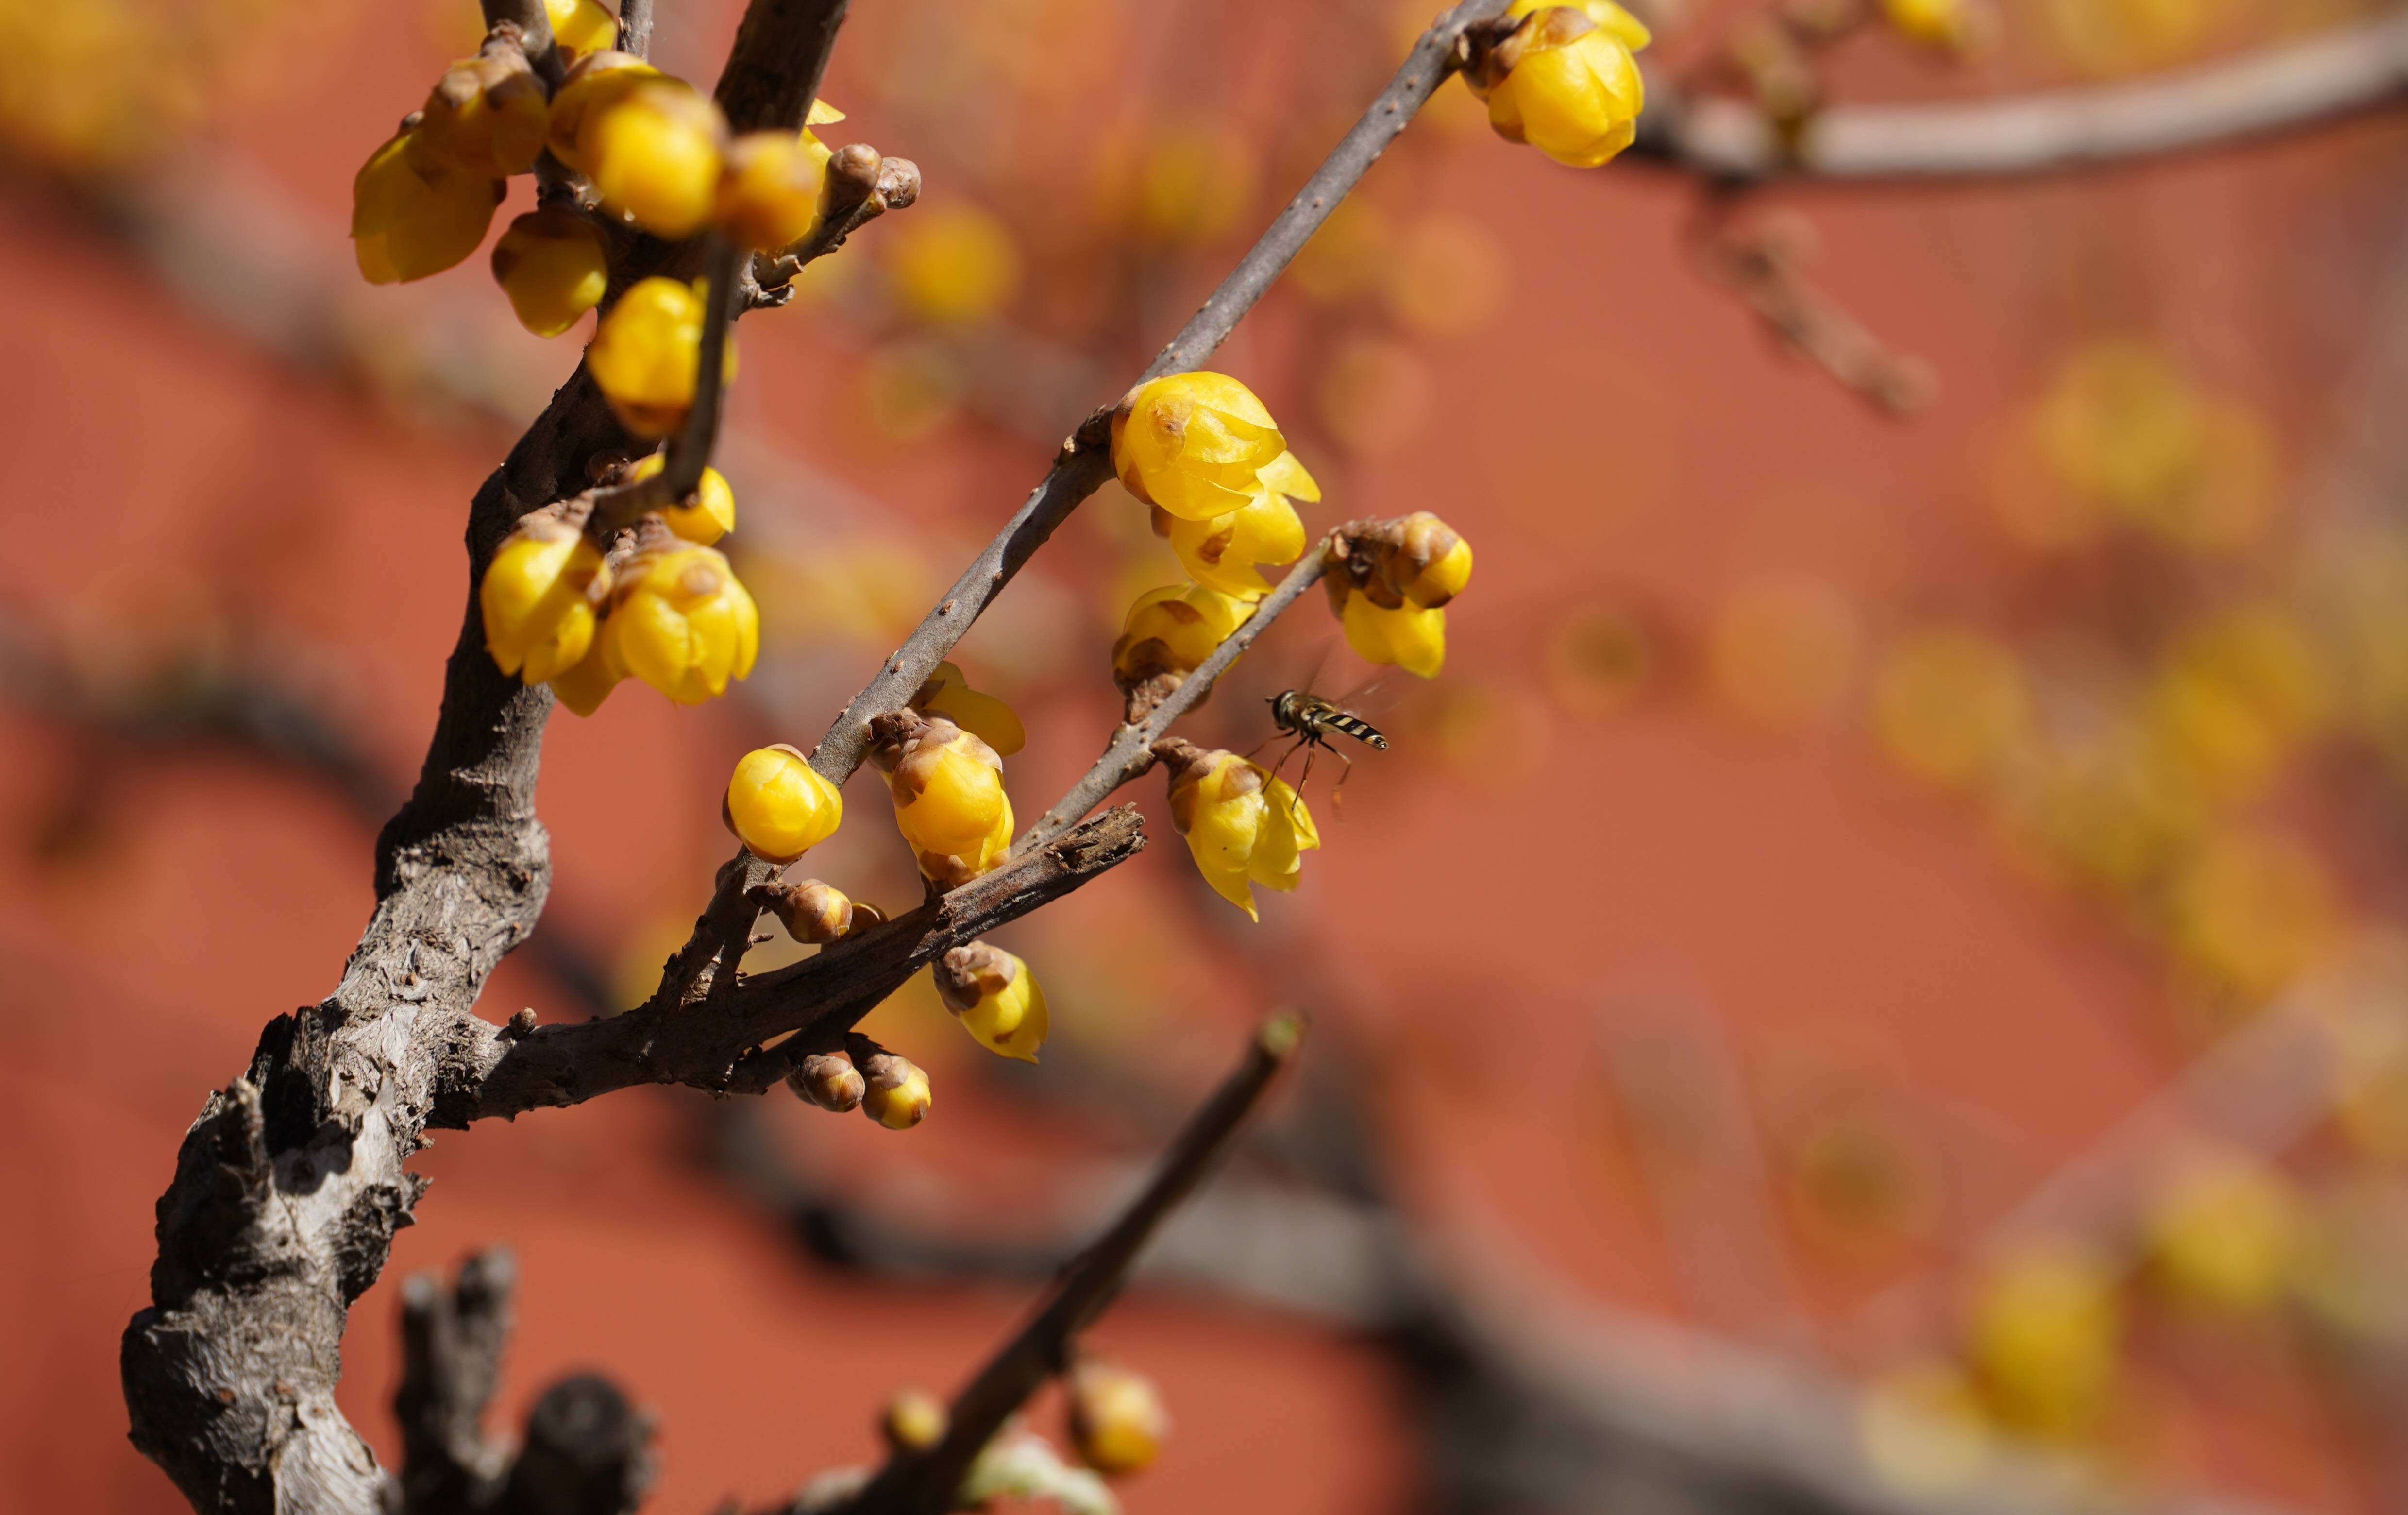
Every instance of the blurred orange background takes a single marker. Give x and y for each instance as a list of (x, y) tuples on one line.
[(1791, 932)]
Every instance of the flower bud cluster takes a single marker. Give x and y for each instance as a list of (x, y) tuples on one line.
[(890, 1090), (653, 150), (672, 613), (948, 790), (996, 998), (1243, 826), (1203, 453), (1389, 582), (1563, 79)]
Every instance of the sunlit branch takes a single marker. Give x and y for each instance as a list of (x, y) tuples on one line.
[(2276, 90)]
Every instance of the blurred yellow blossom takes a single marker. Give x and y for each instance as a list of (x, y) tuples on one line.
[(710, 513), (2252, 913), (646, 351), (2223, 1233), (538, 598), (2044, 1334), (414, 215), (1948, 703), (551, 264), (953, 265), (1444, 276), (1193, 183)]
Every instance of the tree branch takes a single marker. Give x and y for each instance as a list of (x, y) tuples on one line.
[(290, 1184), (2343, 72), (781, 54), (1131, 750), (924, 1483), (501, 1071), (452, 1343)]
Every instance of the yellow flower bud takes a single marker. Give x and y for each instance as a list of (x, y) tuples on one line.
[(584, 684), (2044, 1336), (895, 1092), (1565, 83), (2226, 1234), (828, 1080), (949, 694), (1222, 552), (1172, 630), (683, 623), (1938, 23), (913, 1420), (645, 352), (1242, 826), (579, 27), (413, 215), (1408, 635), (1429, 564), (538, 598), (551, 264), (487, 114), (1200, 445), (948, 790), (599, 79), (769, 198), (654, 155), (778, 807), (709, 515), (996, 998), (812, 913), (1117, 1420)]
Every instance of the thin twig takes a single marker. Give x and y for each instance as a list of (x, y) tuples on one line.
[(1131, 751), (2339, 73), (636, 27), (924, 1483)]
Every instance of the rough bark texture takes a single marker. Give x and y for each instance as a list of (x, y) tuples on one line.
[(291, 1183)]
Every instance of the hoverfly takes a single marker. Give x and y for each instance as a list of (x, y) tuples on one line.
[(1312, 720)]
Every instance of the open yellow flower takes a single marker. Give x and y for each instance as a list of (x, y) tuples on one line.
[(1200, 445), (1242, 826), (1565, 83), (585, 683), (1223, 553), (711, 514), (682, 622), (949, 694), (777, 804), (551, 264), (1172, 630), (538, 598), (948, 790), (413, 215), (996, 998), (1408, 635)]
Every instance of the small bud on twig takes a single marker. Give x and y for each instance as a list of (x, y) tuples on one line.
[(828, 1080)]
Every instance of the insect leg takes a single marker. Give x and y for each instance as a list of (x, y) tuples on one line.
[(1338, 790)]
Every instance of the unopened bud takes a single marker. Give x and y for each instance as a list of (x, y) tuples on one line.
[(897, 1095), (996, 998), (913, 1420), (828, 1080), (810, 911), (1117, 1421)]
